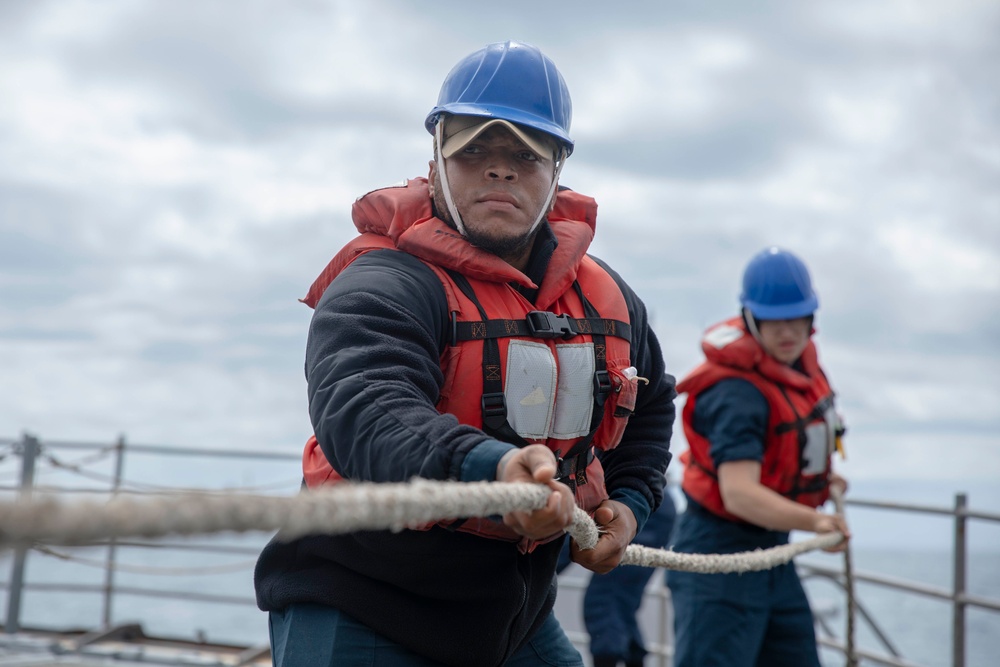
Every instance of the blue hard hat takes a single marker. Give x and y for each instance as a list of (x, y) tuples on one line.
[(776, 286), (512, 81)]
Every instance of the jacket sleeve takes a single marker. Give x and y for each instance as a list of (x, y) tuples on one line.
[(732, 414), (635, 470), (373, 372)]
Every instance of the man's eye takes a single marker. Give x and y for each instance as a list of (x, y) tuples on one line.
[(472, 148), (528, 155)]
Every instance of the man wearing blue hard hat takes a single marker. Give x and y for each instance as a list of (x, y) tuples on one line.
[(761, 426), (466, 335)]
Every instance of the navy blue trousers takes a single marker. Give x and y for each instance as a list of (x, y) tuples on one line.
[(755, 619), (312, 635)]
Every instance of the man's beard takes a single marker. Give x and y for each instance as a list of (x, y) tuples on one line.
[(506, 249)]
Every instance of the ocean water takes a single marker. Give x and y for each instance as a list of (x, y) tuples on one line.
[(918, 627)]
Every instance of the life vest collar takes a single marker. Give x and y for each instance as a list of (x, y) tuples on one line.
[(730, 344), (402, 217)]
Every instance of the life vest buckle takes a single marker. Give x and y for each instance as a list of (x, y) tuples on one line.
[(543, 324), (602, 386), (494, 410), (575, 465)]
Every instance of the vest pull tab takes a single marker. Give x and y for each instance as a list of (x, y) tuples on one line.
[(632, 375)]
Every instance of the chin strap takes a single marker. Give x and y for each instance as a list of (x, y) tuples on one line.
[(552, 190), (443, 176), (752, 325)]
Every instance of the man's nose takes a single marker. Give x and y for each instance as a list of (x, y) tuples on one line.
[(501, 169)]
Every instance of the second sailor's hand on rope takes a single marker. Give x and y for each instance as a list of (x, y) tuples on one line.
[(835, 523), (537, 464)]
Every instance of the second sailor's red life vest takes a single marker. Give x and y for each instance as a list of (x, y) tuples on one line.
[(802, 423), (572, 394)]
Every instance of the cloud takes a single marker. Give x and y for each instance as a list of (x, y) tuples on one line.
[(175, 176)]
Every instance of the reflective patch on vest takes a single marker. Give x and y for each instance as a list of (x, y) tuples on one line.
[(530, 388), (819, 444), (721, 336), (575, 397)]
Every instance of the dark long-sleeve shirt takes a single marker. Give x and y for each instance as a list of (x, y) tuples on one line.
[(373, 371)]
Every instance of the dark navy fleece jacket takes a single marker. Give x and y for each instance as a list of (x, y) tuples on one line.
[(372, 365)]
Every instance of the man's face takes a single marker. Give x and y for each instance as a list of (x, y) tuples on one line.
[(499, 186), (785, 340)]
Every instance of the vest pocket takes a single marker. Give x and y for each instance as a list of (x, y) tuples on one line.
[(624, 388)]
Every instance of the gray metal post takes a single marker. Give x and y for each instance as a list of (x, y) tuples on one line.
[(29, 449), (109, 568), (958, 587), (664, 618), (668, 624)]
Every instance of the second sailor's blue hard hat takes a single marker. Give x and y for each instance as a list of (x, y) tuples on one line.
[(777, 286), (511, 81)]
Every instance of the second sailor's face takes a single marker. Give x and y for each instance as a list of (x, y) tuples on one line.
[(785, 340)]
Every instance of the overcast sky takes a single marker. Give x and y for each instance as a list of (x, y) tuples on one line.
[(174, 175)]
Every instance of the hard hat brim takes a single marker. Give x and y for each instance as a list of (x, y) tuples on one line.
[(785, 311)]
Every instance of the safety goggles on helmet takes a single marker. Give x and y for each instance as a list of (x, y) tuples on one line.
[(460, 131)]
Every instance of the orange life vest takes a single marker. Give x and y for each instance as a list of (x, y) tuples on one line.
[(552, 372), (802, 422)]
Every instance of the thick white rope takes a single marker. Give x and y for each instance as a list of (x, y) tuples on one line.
[(343, 508), (748, 561)]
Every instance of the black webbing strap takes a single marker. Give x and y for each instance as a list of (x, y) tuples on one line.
[(569, 465), (799, 424), (547, 325), (708, 471), (602, 381), (494, 403), (540, 324)]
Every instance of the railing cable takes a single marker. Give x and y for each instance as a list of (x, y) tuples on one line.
[(147, 569)]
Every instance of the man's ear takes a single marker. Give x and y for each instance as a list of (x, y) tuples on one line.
[(431, 175)]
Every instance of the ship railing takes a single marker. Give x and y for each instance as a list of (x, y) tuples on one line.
[(657, 595), (30, 449), (35, 453), (957, 595)]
